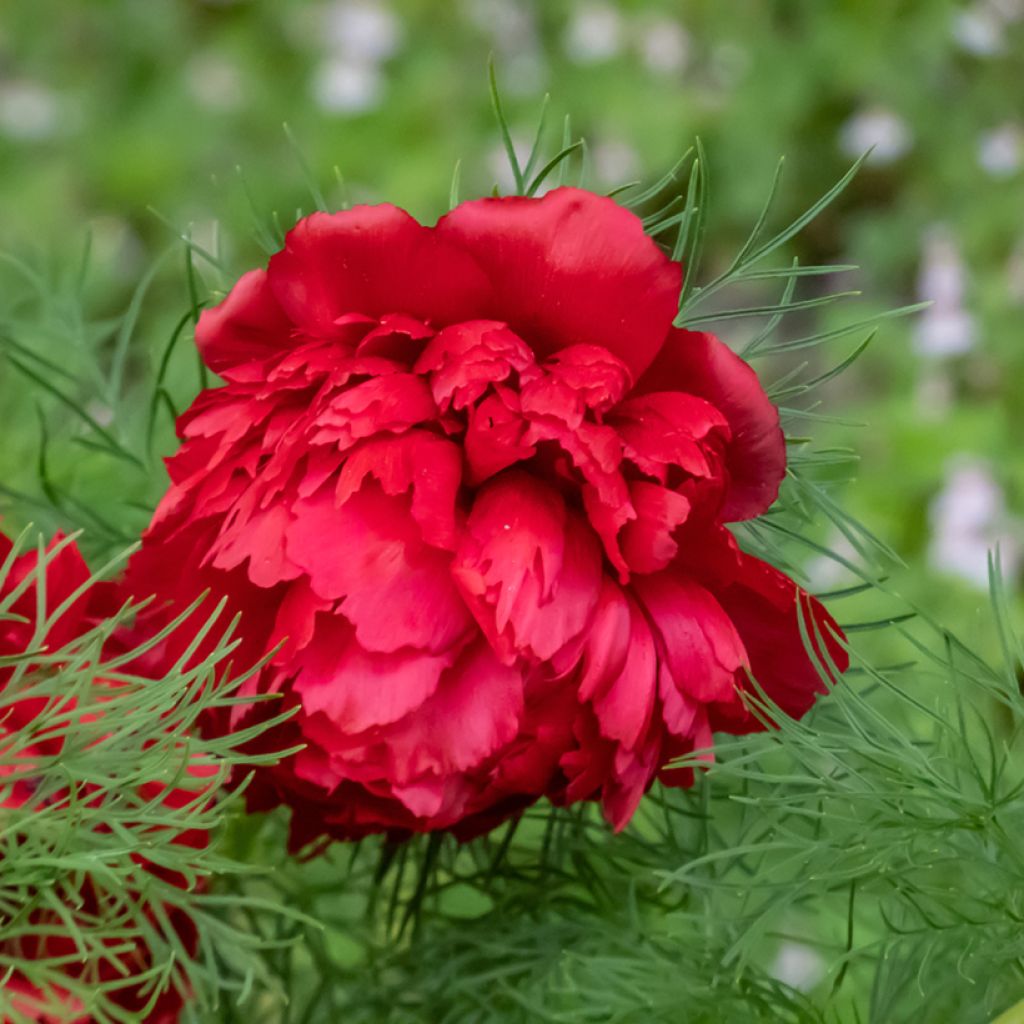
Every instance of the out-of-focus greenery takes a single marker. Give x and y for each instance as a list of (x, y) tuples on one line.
[(111, 111)]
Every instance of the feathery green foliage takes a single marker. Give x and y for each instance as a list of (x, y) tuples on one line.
[(111, 809)]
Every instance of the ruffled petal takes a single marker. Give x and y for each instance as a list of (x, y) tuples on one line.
[(369, 554), (699, 364), (572, 268), (697, 642), (359, 689), (427, 464), (387, 404), (665, 429), (528, 569), (495, 436), (374, 260), (625, 706), (646, 542), (463, 361), (475, 711)]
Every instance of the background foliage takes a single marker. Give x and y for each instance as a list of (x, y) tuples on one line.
[(124, 126)]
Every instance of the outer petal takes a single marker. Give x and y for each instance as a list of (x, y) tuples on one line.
[(572, 268), (65, 572), (247, 326), (701, 365), (766, 606), (373, 260)]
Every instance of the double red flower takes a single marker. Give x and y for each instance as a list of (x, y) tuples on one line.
[(475, 484), (33, 732)]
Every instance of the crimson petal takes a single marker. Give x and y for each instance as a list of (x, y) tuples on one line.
[(247, 326), (572, 268), (700, 364), (373, 260)]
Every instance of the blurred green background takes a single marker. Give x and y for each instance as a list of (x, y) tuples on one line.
[(118, 119), (124, 124)]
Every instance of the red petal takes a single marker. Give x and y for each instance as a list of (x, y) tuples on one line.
[(646, 541), (607, 646), (572, 268), (260, 540), (494, 436), (701, 365), (359, 689), (464, 360), (373, 260), (476, 710), (394, 589), (391, 403), (428, 464), (624, 709), (65, 572), (763, 604), (530, 571), (668, 428), (698, 643), (248, 325)]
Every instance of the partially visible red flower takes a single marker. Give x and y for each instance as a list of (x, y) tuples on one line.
[(26, 748), (474, 483)]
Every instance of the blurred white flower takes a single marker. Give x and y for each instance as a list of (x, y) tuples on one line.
[(798, 966), (968, 519), (215, 82), (945, 332), (946, 328), (365, 31), (594, 33), (729, 64), (1015, 274), (1001, 150), (615, 162), (116, 247), (665, 46), (512, 29), (980, 30), (343, 86), (825, 573), (1008, 10), (879, 128), (497, 163), (29, 111)]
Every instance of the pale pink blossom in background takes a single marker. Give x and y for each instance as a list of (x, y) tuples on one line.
[(980, 30), (594, 33), (946, 328), (29, 111), (885, 133), (969, 518), (665, 46), (359, 37), (215, 82), (1001, 150), (798, 966)]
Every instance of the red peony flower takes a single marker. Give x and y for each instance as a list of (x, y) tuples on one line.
[(69, 612), (474, 483)]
